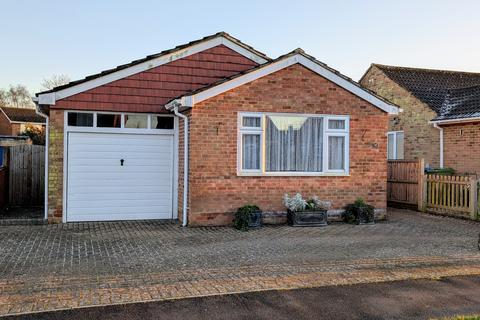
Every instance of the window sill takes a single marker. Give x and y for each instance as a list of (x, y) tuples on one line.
[(293, 174)]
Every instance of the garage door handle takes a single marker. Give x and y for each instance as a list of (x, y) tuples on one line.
[(122, 161)]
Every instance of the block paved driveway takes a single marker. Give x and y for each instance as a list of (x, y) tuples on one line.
[(53, 267)]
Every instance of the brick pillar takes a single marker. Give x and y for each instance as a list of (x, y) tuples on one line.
[(55, 166)]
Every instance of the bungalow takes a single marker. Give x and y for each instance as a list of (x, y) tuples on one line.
[(440, 121), (199, 130)]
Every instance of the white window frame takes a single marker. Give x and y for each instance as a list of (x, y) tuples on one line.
[(250, 130), (395, 155), (122, 128), (261, 131)]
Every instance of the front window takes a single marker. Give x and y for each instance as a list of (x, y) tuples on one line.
[(395, 145), (293, 144)]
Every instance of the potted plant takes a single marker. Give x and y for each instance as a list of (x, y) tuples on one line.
[(246, 217), (306, 213), (359, 212)]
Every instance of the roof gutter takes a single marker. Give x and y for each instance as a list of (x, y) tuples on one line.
[(174, 106), (452, 121)]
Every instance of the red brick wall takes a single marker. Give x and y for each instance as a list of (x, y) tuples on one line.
[(150, 90), (215, 189), (422, 140), (5, 126), (16, 129), (462, 147)]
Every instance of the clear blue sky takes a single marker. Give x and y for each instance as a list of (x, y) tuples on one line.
[(78, 38)]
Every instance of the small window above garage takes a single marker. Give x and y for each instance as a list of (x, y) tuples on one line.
[(80, 119), (112, 122)]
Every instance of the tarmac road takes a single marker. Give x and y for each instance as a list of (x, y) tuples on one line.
[(415, 299)]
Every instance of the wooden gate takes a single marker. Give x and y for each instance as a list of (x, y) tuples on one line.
[(405, 187), (26, 175), (453, 195)]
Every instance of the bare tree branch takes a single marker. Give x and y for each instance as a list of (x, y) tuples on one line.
[(16, 96), (55, 81)]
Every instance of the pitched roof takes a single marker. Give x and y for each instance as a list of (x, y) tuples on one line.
[(22, 115), (317, 65), (428, 85), (460, 104), (157, 55)]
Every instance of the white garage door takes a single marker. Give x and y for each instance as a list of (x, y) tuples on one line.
[(100, 188)]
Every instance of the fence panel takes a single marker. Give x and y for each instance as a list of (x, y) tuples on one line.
[(3, 187), (26, 175), (405, 183), (454, 195)]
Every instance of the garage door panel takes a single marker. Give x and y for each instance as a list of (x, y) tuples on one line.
[(101, 154), (125, 195), (125, 176), (105, 138), (110, 217), (112, 148), (118, 212), (78, 163), (99, 188), (115, 203)]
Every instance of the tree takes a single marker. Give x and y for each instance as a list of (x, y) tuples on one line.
[(3, 98), (16, 97), (35, 133), (55, 81)]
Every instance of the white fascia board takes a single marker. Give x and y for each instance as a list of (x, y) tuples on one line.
[(33, 123), (47, 98), (51, 98), (188, 101), (460, 120), (243, 51)]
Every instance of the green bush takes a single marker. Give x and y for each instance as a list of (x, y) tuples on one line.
[(441, 171), (243, 216), (358, 212)]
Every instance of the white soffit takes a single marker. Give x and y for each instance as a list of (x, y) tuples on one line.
[(51, 98)]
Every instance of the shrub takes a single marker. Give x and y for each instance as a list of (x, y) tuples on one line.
[(440, 171), (358, 212), (297, 203), (243, 216), (37, 135)]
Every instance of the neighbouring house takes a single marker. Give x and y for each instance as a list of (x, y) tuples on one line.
[(199, 130), (13, 121), (440, 121)]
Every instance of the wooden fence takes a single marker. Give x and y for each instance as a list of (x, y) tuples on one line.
[(405, 186), (3, 187), (26, 175), (455, 195)]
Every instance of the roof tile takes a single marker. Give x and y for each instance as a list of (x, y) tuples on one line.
[(23, 115), (428, 85)]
